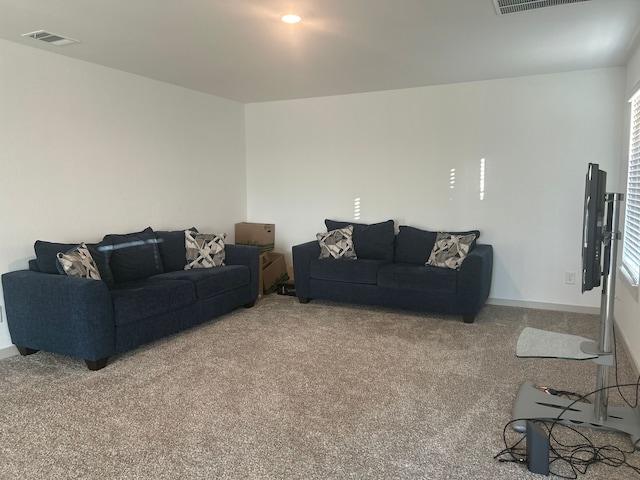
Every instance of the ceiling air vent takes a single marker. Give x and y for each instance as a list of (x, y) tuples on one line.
[(514, 6), (52, 38)]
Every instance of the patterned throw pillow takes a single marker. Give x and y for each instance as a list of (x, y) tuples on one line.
[(204, 250), (450, 250), (337, 243), (78, 262)]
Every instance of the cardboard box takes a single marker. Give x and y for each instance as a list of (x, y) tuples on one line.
[(261, 235), (264, 261), (274, 271), (290, 272)]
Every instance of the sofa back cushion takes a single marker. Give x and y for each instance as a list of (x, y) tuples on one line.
[(47, 260), (134, 256), (173, 252), (370, 241), (414, 245), (46, 254)]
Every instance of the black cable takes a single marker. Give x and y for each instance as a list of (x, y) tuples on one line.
[(563, 393), (595, 456), (615, 355), (577, 458)]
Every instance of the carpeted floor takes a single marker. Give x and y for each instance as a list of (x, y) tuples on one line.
[(284, 390)]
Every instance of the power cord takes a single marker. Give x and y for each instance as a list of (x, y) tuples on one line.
[(615, 355), (571, 460), (563, 393)]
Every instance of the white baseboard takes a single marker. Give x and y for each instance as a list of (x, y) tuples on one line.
[(545, 306), (8, 352)]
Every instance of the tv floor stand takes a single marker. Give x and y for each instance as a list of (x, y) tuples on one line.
[(534, 403)]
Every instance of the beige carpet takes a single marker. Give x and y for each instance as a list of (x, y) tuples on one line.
[(284, 390)]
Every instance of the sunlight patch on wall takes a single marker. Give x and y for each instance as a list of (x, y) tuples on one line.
[(482, 164), (452, 182)]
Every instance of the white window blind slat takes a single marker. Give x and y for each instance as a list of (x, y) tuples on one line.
[(631, 240)]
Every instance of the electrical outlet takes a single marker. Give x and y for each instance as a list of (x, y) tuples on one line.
[(570, 278)]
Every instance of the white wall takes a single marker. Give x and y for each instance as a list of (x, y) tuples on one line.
[(87, 151), (308, 159), (627, 307)]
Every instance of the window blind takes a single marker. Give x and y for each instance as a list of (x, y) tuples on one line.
[(631, 242)]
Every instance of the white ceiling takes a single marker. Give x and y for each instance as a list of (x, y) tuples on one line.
[(239, 49)]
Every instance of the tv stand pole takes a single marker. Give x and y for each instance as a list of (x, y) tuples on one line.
[(532, 403), (604, 347)]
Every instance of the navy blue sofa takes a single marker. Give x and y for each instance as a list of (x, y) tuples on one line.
[(390, 271), (144, 294)]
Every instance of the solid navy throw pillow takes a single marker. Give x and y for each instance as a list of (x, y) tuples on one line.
[(414, 245), (134, 256), (370, 241), (172, 249)]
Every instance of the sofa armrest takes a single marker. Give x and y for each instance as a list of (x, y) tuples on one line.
[(245, 255), (474, 278), (66, 315), (302, 255)]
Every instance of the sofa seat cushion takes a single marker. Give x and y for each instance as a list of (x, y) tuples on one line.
[(350, 271), (140, 299), (417, 277), (209, 282)]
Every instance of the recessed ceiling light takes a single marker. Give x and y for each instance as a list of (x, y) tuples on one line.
[(291, 18)]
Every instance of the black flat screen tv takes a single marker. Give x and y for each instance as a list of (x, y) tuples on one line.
[(593, 226)]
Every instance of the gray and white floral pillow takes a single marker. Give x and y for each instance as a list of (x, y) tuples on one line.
[(337, 243), (450, 250)]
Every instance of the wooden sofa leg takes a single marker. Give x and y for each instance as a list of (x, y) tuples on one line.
[(249, 305), (304, 299), (468, 318), (24, 351), (94, 365)]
